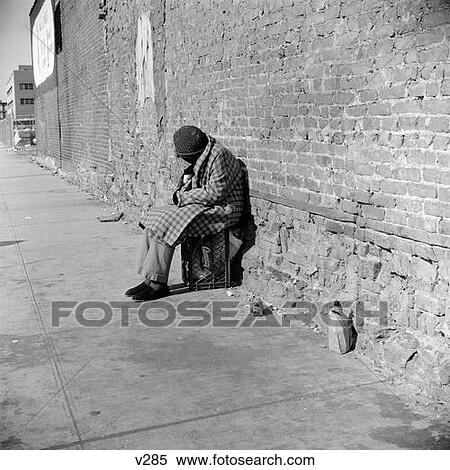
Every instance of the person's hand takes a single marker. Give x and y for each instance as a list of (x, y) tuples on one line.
[(187, 179)]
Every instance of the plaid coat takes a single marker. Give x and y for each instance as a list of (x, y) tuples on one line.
[(215, 201)]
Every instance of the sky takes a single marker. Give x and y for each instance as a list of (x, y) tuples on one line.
[(15, 47)]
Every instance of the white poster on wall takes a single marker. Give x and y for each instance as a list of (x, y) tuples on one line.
[(43, 44), (144, 60)]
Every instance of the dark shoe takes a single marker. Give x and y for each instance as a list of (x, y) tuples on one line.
[(135, 290), (152, 293)]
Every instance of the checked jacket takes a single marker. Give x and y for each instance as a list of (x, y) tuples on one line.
[(215, 201)]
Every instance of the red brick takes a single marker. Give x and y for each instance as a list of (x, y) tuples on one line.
[(393, 187), (429, 37), (436, 176), (380, 109), (383, 200), (404, 107), (393, 92), (444, 194), (445, 87), (417, 90), (423, 222), (357, 110), (368, 96), (372, 212), (422, 190), (407, 122), (396, 217), (409, 174), (439, 124), (435, 54), (409, 204)]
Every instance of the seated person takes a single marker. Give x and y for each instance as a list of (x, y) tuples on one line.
[(209, 198)]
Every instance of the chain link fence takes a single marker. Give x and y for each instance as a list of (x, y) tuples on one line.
[(6, 132), (18, 133)]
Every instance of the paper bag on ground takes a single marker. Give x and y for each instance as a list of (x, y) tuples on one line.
[(340, 331)]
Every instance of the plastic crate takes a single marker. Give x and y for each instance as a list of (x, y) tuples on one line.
[(205, 261)]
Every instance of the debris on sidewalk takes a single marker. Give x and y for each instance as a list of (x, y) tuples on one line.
[(114, 217), (258, 308)]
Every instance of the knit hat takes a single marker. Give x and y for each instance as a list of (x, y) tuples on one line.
[(189, 141)]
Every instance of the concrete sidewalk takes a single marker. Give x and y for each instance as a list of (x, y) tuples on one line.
[(158, 388)]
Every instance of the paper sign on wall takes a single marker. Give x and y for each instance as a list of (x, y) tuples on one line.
[(43, 44), (144, 60)]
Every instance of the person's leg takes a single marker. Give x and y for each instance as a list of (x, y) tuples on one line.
[(157, 263), (155, 269), (143, 250), (142, 256), (154, 260)]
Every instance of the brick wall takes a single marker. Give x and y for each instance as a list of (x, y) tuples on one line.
[(45, 97), (340, 105), (138, 139), (23, 75), (341, 112), (47, 128), (83, 99), (80, 98)]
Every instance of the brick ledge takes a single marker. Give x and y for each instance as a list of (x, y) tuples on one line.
[(385, 228)]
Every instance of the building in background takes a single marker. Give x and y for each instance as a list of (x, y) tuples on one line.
[(20, 105), (20, 95)]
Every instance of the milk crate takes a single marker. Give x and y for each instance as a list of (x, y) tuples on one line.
[(206, 261)]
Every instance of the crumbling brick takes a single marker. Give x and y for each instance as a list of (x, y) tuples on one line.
[(354, 138)]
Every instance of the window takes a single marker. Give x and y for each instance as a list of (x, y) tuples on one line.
[(26, 101), (24, 122), (26, 86)]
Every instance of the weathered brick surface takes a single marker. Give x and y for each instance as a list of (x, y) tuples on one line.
[(47, 128), (340, 110), (79, 102), (325, 263)]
